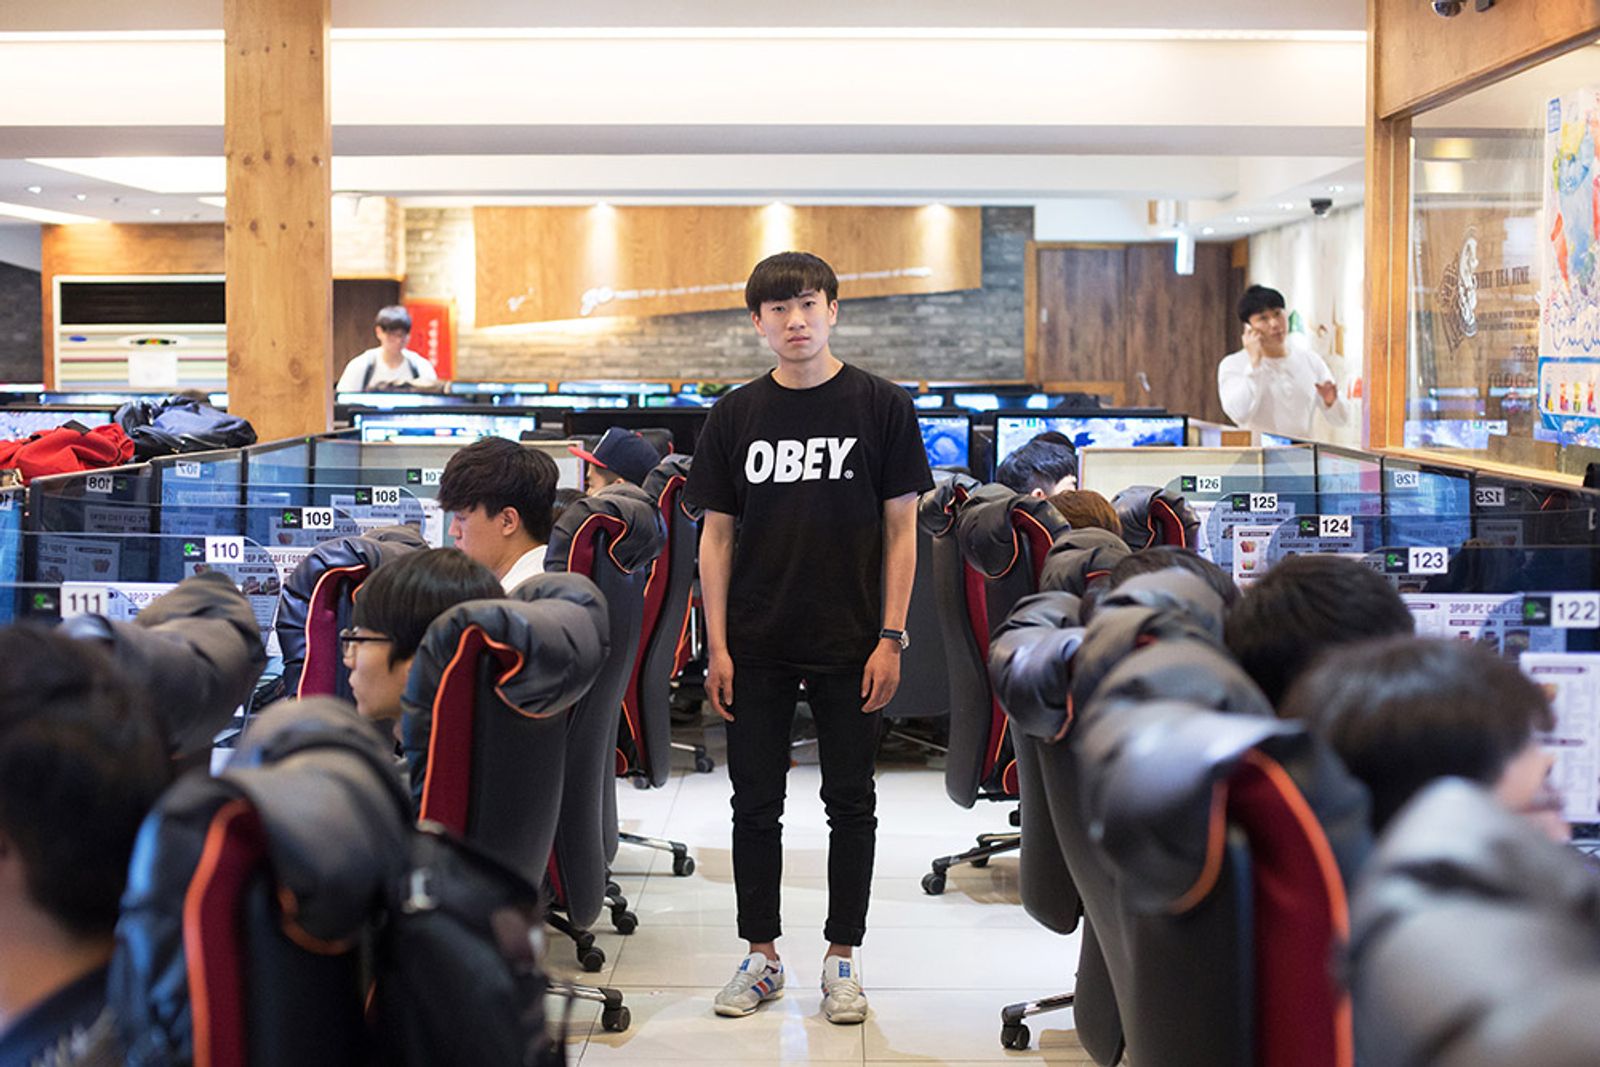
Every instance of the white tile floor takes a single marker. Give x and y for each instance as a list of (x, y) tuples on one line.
[(937, 969)]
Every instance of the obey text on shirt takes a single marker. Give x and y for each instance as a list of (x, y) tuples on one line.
[(790, 460)]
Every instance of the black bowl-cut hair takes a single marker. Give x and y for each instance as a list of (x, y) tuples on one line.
[(1259, 298), (496, 474), (787, 275), (405, 595)]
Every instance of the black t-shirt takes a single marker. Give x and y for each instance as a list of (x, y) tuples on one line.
[(805, 473)]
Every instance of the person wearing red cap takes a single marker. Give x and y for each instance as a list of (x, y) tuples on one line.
[(620, 456)]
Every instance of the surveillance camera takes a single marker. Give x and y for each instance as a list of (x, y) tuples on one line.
[(1446, 9), (1320, 206)]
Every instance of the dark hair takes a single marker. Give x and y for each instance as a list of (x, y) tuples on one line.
[(496, 474), (1039, 464), (81, 764), (1403, 711), (1171, 557), (564, 498), (1303, 606), (394, 317), (787, 275), (401, 598), (1085, 508), (1256, 299)]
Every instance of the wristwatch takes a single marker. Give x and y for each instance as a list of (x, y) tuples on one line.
[(899, 636)]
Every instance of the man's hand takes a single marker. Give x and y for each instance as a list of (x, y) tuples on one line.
[(1328, 392), (880, 678), (1252, 345), (719, 683)]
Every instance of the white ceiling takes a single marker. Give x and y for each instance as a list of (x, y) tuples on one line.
[(1234, 107)]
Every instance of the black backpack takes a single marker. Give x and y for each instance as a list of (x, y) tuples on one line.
[(456, 966)]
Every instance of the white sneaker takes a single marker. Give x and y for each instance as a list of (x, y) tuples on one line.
[(758, 979), (842, 998)]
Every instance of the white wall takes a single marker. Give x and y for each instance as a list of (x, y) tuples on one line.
[(19, 245), (1319, 266)]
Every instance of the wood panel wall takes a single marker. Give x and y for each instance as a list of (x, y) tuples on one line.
[(1122, 313), (544, 264)]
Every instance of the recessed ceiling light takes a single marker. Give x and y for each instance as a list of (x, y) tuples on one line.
[(35, 189), (155, 211), (1208, 230), (80, 197), (1241, 218), (1285, 205), (1335, 188)]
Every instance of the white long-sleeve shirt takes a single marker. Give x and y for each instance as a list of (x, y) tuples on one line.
[(1278, 395)]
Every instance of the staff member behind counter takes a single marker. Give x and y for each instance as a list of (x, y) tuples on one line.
[(1276, 383), (391, 361)]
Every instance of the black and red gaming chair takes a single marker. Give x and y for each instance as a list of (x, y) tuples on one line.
[(1003, 538), (251, 897), (1154, 516), (316, 602)]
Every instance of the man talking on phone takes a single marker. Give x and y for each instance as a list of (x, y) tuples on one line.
[(1276, 383)]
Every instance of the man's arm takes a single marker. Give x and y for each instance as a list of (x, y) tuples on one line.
[(1239, 389), (1337, 412), (353, 377), (716, 567), (881, 677)]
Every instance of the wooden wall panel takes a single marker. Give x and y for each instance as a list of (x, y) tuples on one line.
[(121, 248), (1081, 317), (1422, 59), (355, 304), (1178, 328), (543, 264)]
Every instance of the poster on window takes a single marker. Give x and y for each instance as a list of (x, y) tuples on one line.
[(1569, 274)]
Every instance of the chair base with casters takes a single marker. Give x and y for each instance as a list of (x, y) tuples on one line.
[(682, 862), (1014, 1032), (703, 764), (988, 845), (614, 1015), (623, 921), (591, 957)]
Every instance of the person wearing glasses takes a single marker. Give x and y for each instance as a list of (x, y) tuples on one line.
[(393, 609)]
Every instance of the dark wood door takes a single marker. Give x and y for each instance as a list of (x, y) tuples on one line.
[(1082, 324)]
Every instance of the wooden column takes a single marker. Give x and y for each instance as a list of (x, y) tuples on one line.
[(278, 142)]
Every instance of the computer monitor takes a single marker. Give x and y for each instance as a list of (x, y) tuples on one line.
[(1106, 427), (947, 438), (685, 423), (23, 420), (420, 426), (11, 507), (496, 388), (397, 400), (691, 395), (628, 388)]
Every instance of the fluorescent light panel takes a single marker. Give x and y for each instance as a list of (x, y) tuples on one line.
[(737, 33), (39, 214)]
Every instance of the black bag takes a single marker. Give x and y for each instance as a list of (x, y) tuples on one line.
[(180, 424), (457, 975)]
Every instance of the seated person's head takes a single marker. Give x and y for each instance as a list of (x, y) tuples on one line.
[(1083, 508), (1170, 557), (1303, 607), (564, 497), (498, 494), (1403, 711), (81, 764), (1044, 466), (619, 456), (393, 609)]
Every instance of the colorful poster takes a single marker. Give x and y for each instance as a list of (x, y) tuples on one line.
[(1569, 275), (1572, 683)]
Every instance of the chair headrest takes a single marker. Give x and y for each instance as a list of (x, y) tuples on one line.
[(992, 524), (1183, 669), (1124, 623), (1077, 558), (556, 652), (672, 466), (396, 535), (936, 509), (1030, 663), (1154, 781), (624, 513), (1177, 589), (572, 589), (196, 651), (1151, 515), (336, 817)]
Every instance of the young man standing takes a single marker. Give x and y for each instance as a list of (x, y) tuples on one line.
[(390, 361), (809, 478), (1276, 382)]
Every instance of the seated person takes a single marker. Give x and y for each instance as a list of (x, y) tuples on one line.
[(499, 495), (1301, 608), (393, 609), (1165, 557), (1046, 465), (81, 764), (621, 456), (390, 362), (1403, 711), (1084, 508), (563, 498)]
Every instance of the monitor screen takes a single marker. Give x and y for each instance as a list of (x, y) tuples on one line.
[(1106, 429), (929, 401), (389, 401), (11, 505), (421, 426), (625, 387), (17, 423), (474, 388), (565, 401), (947, 439), (977, 401)]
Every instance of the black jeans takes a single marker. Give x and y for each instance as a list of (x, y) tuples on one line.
[(758, 763)]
